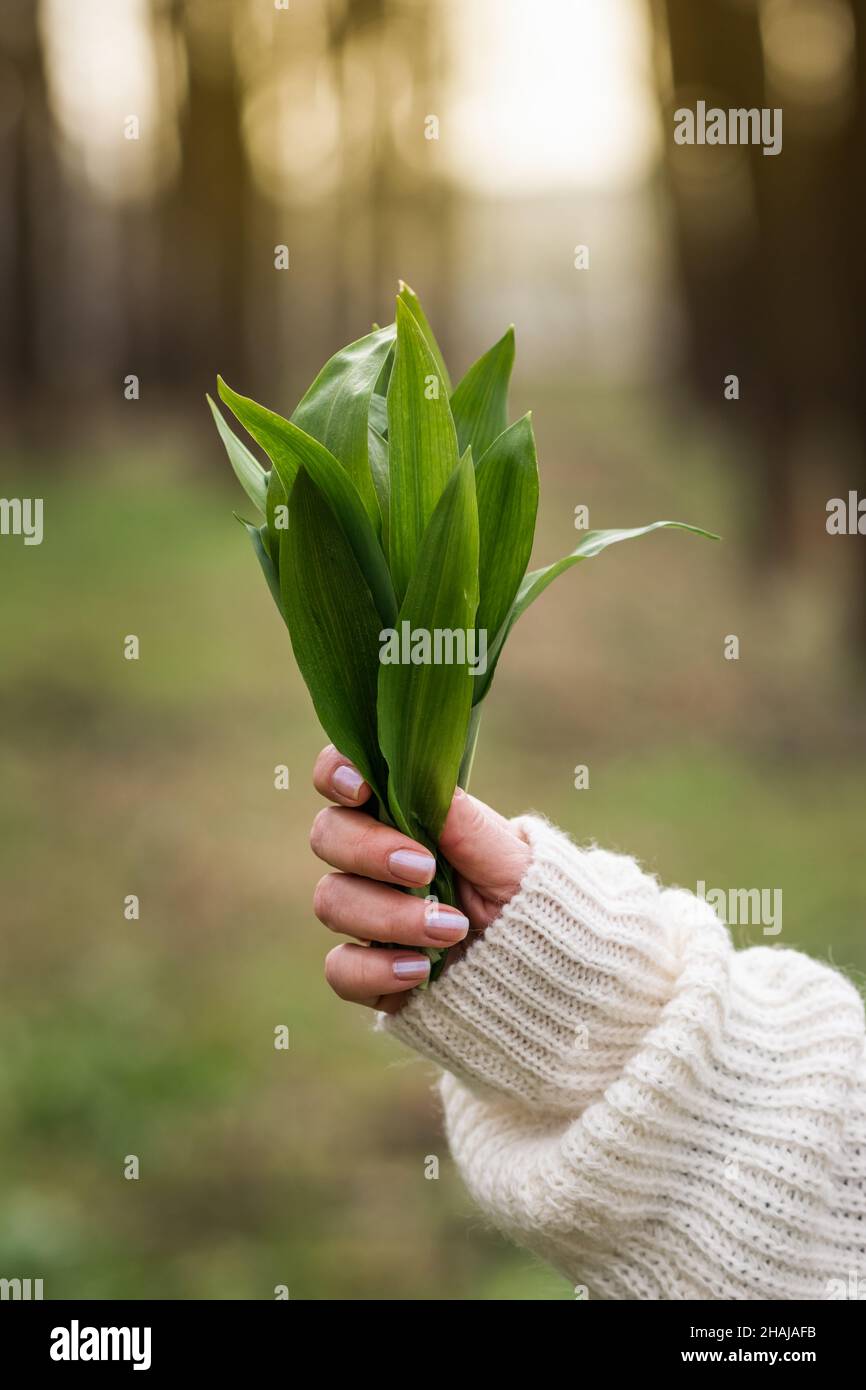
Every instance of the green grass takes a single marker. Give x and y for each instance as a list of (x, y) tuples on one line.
[(154, 1037)]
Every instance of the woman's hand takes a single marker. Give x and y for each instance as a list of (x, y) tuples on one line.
[(489, 856)]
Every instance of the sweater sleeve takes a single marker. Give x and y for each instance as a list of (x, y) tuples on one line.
[(657, 1115)]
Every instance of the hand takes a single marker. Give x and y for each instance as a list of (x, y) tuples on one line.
[(488, 854)]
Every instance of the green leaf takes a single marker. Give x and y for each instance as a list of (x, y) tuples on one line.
[(290, 449), (378, 452), (480, 403), (258, 537), (506, 482), (424, 709), (593, 543), (335, 409), (250, 474), (276, 497), (378, 414), (408, 297), (334, 627), (266, 428), (377, 400), (422, 446)]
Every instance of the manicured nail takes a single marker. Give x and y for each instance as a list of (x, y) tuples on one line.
[(412, 968), (347, 781), (412, 865), (444, 924)]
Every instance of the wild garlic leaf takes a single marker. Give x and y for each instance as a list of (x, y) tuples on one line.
[(290, 449), (335, 410), (409, 298), (422, 446), (480, 403), (266, 427), (334, 627), (378, 415), (276, 515), (249, 472), (257, 535), (506, 482), (424, 709), (379, 468), (593, 543)]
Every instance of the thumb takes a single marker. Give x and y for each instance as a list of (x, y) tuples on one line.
[(485, 849)]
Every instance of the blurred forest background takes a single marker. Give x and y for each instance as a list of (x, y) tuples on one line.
[(257, 126)]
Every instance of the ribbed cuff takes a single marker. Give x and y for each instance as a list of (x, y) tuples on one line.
[(548, 1005)]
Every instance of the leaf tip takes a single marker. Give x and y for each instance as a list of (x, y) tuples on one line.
[(224, 391), (700, 531), (507, 342)]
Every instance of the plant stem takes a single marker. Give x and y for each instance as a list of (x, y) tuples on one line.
[(443, 884), (442, 887), (469, 751)]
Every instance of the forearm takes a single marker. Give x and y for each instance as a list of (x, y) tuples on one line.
[(654, 1113)]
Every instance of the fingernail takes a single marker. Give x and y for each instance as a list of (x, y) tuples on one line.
[(412, 968), (443, 924), (347, 781), (412, 865)]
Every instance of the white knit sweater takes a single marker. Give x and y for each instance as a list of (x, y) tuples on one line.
[(656, 1114)]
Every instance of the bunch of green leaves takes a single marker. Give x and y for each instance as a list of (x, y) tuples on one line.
[(392, 497)]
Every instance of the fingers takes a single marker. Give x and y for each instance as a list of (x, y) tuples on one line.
[(485, 849), (338, 779), (358, 844), (490, 857), (372, 912), (362, 975)]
